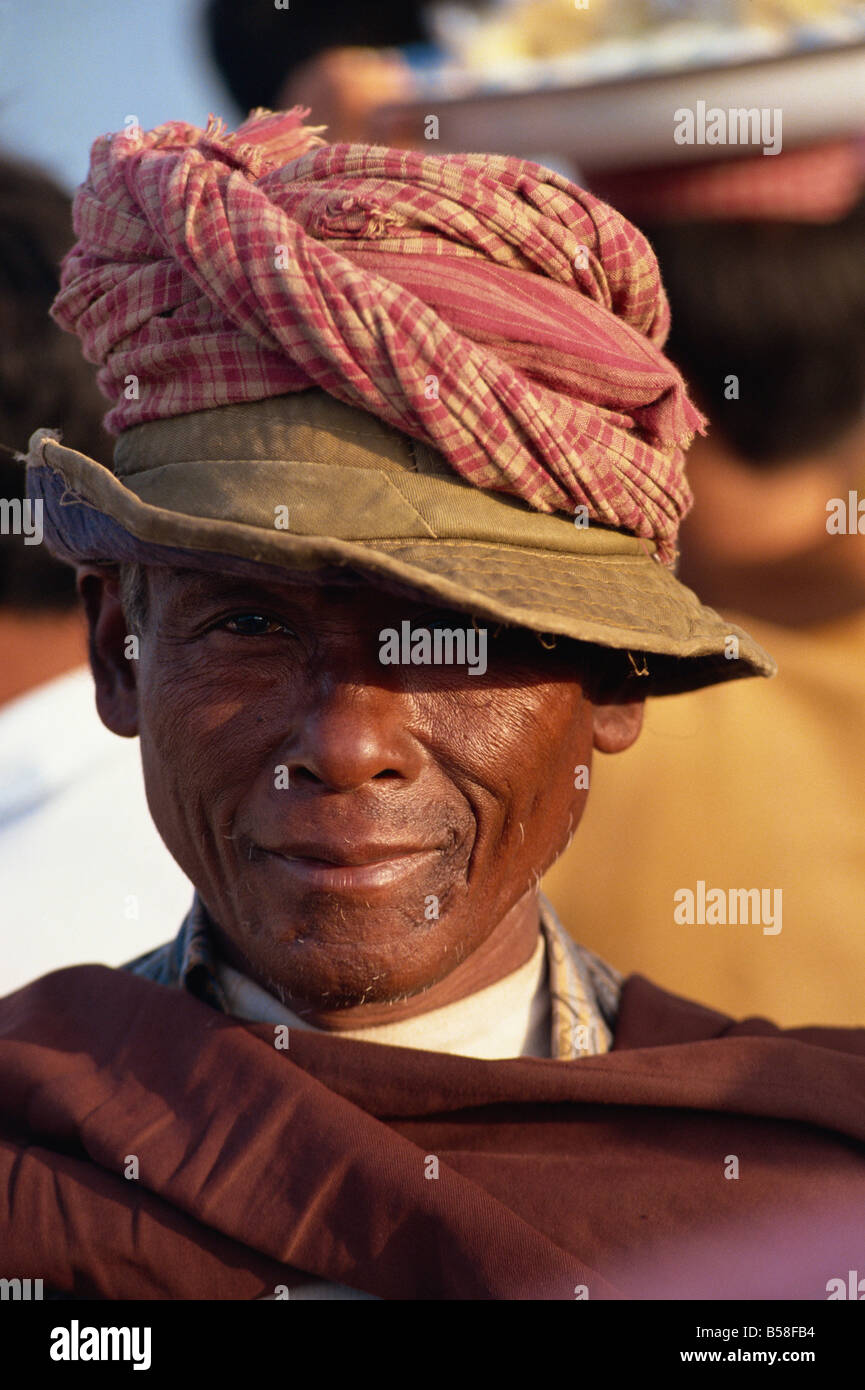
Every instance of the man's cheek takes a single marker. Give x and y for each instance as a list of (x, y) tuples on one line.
[(183, 701), (563, 828), (193, 755)]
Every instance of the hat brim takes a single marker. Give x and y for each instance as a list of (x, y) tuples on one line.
[(614, 594)]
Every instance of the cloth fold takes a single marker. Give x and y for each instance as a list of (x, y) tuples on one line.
[(255, 1163)]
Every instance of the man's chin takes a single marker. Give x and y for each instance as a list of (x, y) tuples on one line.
[(358, 983), (344, 960)]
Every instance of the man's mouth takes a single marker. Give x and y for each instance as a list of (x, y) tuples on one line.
[(360, 868)]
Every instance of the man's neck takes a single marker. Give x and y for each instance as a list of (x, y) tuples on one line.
[(820, 585), (757, 543)]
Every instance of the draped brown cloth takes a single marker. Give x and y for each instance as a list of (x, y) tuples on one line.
[(258, 1167)]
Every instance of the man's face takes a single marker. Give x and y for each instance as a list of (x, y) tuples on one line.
[(355, 829)]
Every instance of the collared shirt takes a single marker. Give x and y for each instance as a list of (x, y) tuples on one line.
[(584, 990)]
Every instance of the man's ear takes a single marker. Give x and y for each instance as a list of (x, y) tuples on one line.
[(113, 651), (617, 726)]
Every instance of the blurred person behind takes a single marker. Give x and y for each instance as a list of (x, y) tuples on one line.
[(341, 60), (62, 775), (346, 62), (762, 261)]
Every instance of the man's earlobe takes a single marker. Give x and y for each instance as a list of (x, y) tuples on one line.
[(113, 650), (617, 726)]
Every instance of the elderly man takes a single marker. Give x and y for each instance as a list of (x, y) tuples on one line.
[(335, 585)]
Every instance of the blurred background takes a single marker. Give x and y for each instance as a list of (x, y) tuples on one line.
[(72, 71), (749, 785)]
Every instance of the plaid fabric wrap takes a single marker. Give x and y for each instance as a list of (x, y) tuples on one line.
[(485, 305)]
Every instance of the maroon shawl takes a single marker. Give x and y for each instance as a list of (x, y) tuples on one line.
[(260, 1167)]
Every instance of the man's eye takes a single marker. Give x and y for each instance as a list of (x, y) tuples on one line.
[(439, 617), (252, 625)]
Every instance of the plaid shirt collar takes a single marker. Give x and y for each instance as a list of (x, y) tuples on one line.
[(584, 989)]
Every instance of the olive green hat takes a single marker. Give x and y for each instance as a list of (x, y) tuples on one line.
[(303, 481)]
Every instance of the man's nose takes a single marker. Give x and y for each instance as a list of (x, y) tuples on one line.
[(351, 735)]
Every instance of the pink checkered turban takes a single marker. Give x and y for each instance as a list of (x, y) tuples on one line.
[(485, 305)]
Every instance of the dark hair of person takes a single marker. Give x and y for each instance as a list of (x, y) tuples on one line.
[(780, 306), (256, 46), (43, 377)]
